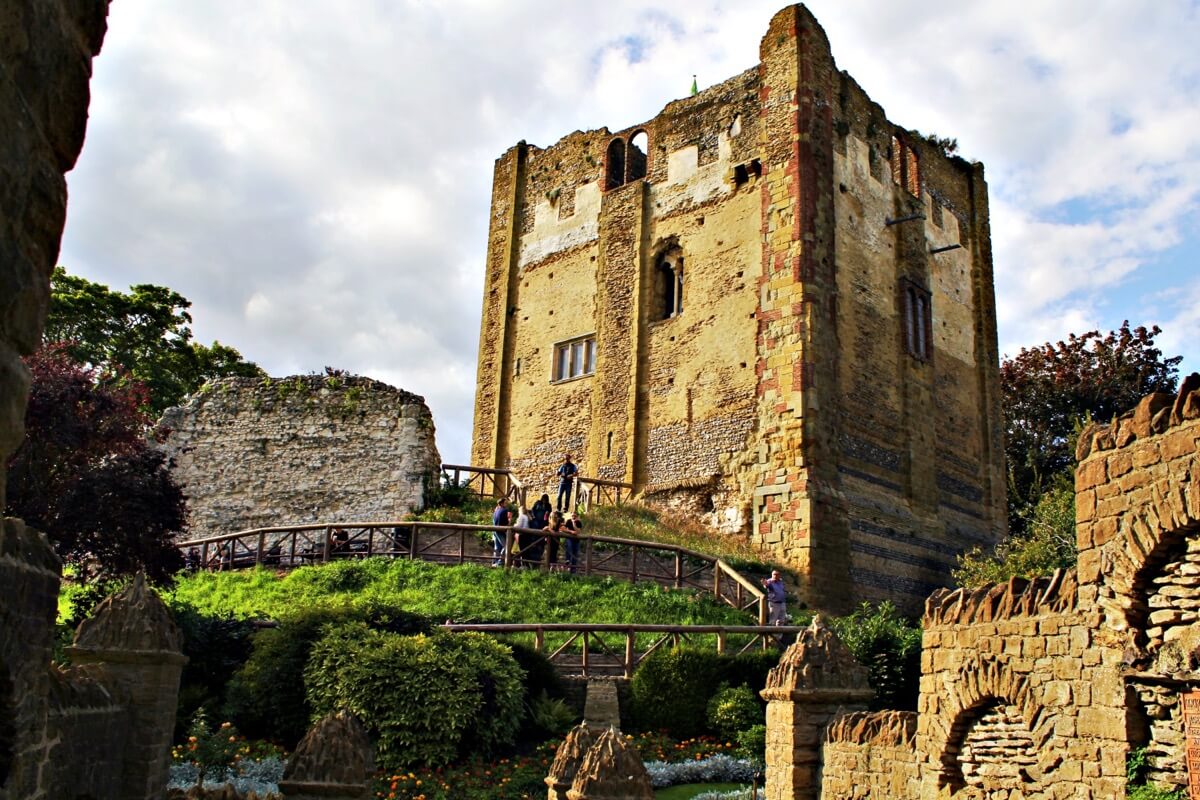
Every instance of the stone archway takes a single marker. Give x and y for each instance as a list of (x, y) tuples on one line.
[(994, 733)]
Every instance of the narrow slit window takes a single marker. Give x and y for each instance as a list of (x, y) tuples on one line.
[(917, 321), (669, 283)]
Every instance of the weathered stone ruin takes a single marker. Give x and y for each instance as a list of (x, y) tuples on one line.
[(1037, 688), (334, 761), (252, 452), (102, 727), (770, 307)]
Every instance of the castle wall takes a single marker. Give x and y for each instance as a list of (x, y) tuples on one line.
[(870, 754), (780, 403), (252, 453)]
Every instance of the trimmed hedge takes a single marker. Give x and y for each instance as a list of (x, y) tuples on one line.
[(266, 698), (425, 699)]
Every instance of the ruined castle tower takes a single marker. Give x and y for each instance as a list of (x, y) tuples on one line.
[(769, 305)]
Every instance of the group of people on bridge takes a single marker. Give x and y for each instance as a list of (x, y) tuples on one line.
[(530, 549)]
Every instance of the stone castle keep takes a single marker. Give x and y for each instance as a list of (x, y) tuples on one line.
[(768, 305)]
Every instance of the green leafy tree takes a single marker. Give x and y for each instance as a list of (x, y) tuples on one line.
[(1046, 544), (1047, 391), (142, 336)]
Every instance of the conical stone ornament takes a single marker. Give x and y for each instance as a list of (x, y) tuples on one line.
[(567, 759), (334, 760), (611, 771)]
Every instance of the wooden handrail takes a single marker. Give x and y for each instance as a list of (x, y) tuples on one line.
[(591, 651), (604, 482)]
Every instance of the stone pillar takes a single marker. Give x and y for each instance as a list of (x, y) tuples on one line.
[(334, 761), (816, 680), (567, 759), (611, 771), (134, 641)]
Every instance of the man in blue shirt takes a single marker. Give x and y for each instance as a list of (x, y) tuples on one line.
[(566, 478), (499, 519)]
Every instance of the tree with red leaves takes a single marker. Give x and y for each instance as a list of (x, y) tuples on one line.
[(1050, 391), (86, 475)]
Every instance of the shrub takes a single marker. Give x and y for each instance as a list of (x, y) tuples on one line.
[(752, 743), (216, 647), (733, 709), (266, 697), (550, 717), (424, 698), (671, 688), (889, 646)]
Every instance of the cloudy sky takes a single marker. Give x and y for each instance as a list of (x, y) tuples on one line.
[(315, 176)]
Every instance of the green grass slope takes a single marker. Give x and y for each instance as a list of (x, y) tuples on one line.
[(453, 593)]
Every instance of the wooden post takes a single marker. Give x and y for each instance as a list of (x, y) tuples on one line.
[(292, 552), (509, 540), (412, 542), (721, 642), (462, 545), (328, 542), (717, 579), (204, 557), (587, 557), (370, 542), (539, 639), (630, 639), (633, 573), (584, 662), (262, 544), (678, 570)]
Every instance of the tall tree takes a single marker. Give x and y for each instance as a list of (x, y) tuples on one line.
[(143, 336), (1050, 391), (85, 475)]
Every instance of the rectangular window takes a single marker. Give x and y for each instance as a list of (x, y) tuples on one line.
[(575, 358)]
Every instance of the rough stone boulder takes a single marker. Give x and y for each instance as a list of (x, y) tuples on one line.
[(333, 761), (567, 759)]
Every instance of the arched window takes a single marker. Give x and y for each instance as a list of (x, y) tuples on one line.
[(615, 161), (638, 155), (918, 321), (668, 274)]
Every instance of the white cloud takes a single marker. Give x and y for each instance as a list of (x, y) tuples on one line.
[(315, 177)]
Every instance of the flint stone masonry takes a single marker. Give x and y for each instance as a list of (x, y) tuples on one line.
[(781, 404), (1040, 689), (253, 453)]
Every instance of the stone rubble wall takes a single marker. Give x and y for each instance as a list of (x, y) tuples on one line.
[(870, 754), (253, 453)]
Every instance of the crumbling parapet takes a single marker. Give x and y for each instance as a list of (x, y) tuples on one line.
[(816, 680), (334, 761), (136, 645), (567, 759), (611, 770)]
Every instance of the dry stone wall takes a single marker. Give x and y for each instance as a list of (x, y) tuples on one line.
[(251, 452), (1042, 688)]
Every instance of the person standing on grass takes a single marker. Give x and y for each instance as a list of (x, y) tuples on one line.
[(776, 599), (522, 522), (566, 481), (575, 528), (499, 519)]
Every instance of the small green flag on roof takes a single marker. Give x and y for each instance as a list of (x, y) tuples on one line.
[(695, 88)]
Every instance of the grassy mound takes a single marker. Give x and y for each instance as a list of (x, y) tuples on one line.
[(459, 594)]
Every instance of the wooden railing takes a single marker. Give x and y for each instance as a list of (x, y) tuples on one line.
[(599, 492), (606, 650), (490, 482), (637, 561)]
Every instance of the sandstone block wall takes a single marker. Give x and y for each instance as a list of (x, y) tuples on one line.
[(1042, 688), (254, 453), (780, 403), (871, 755)]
